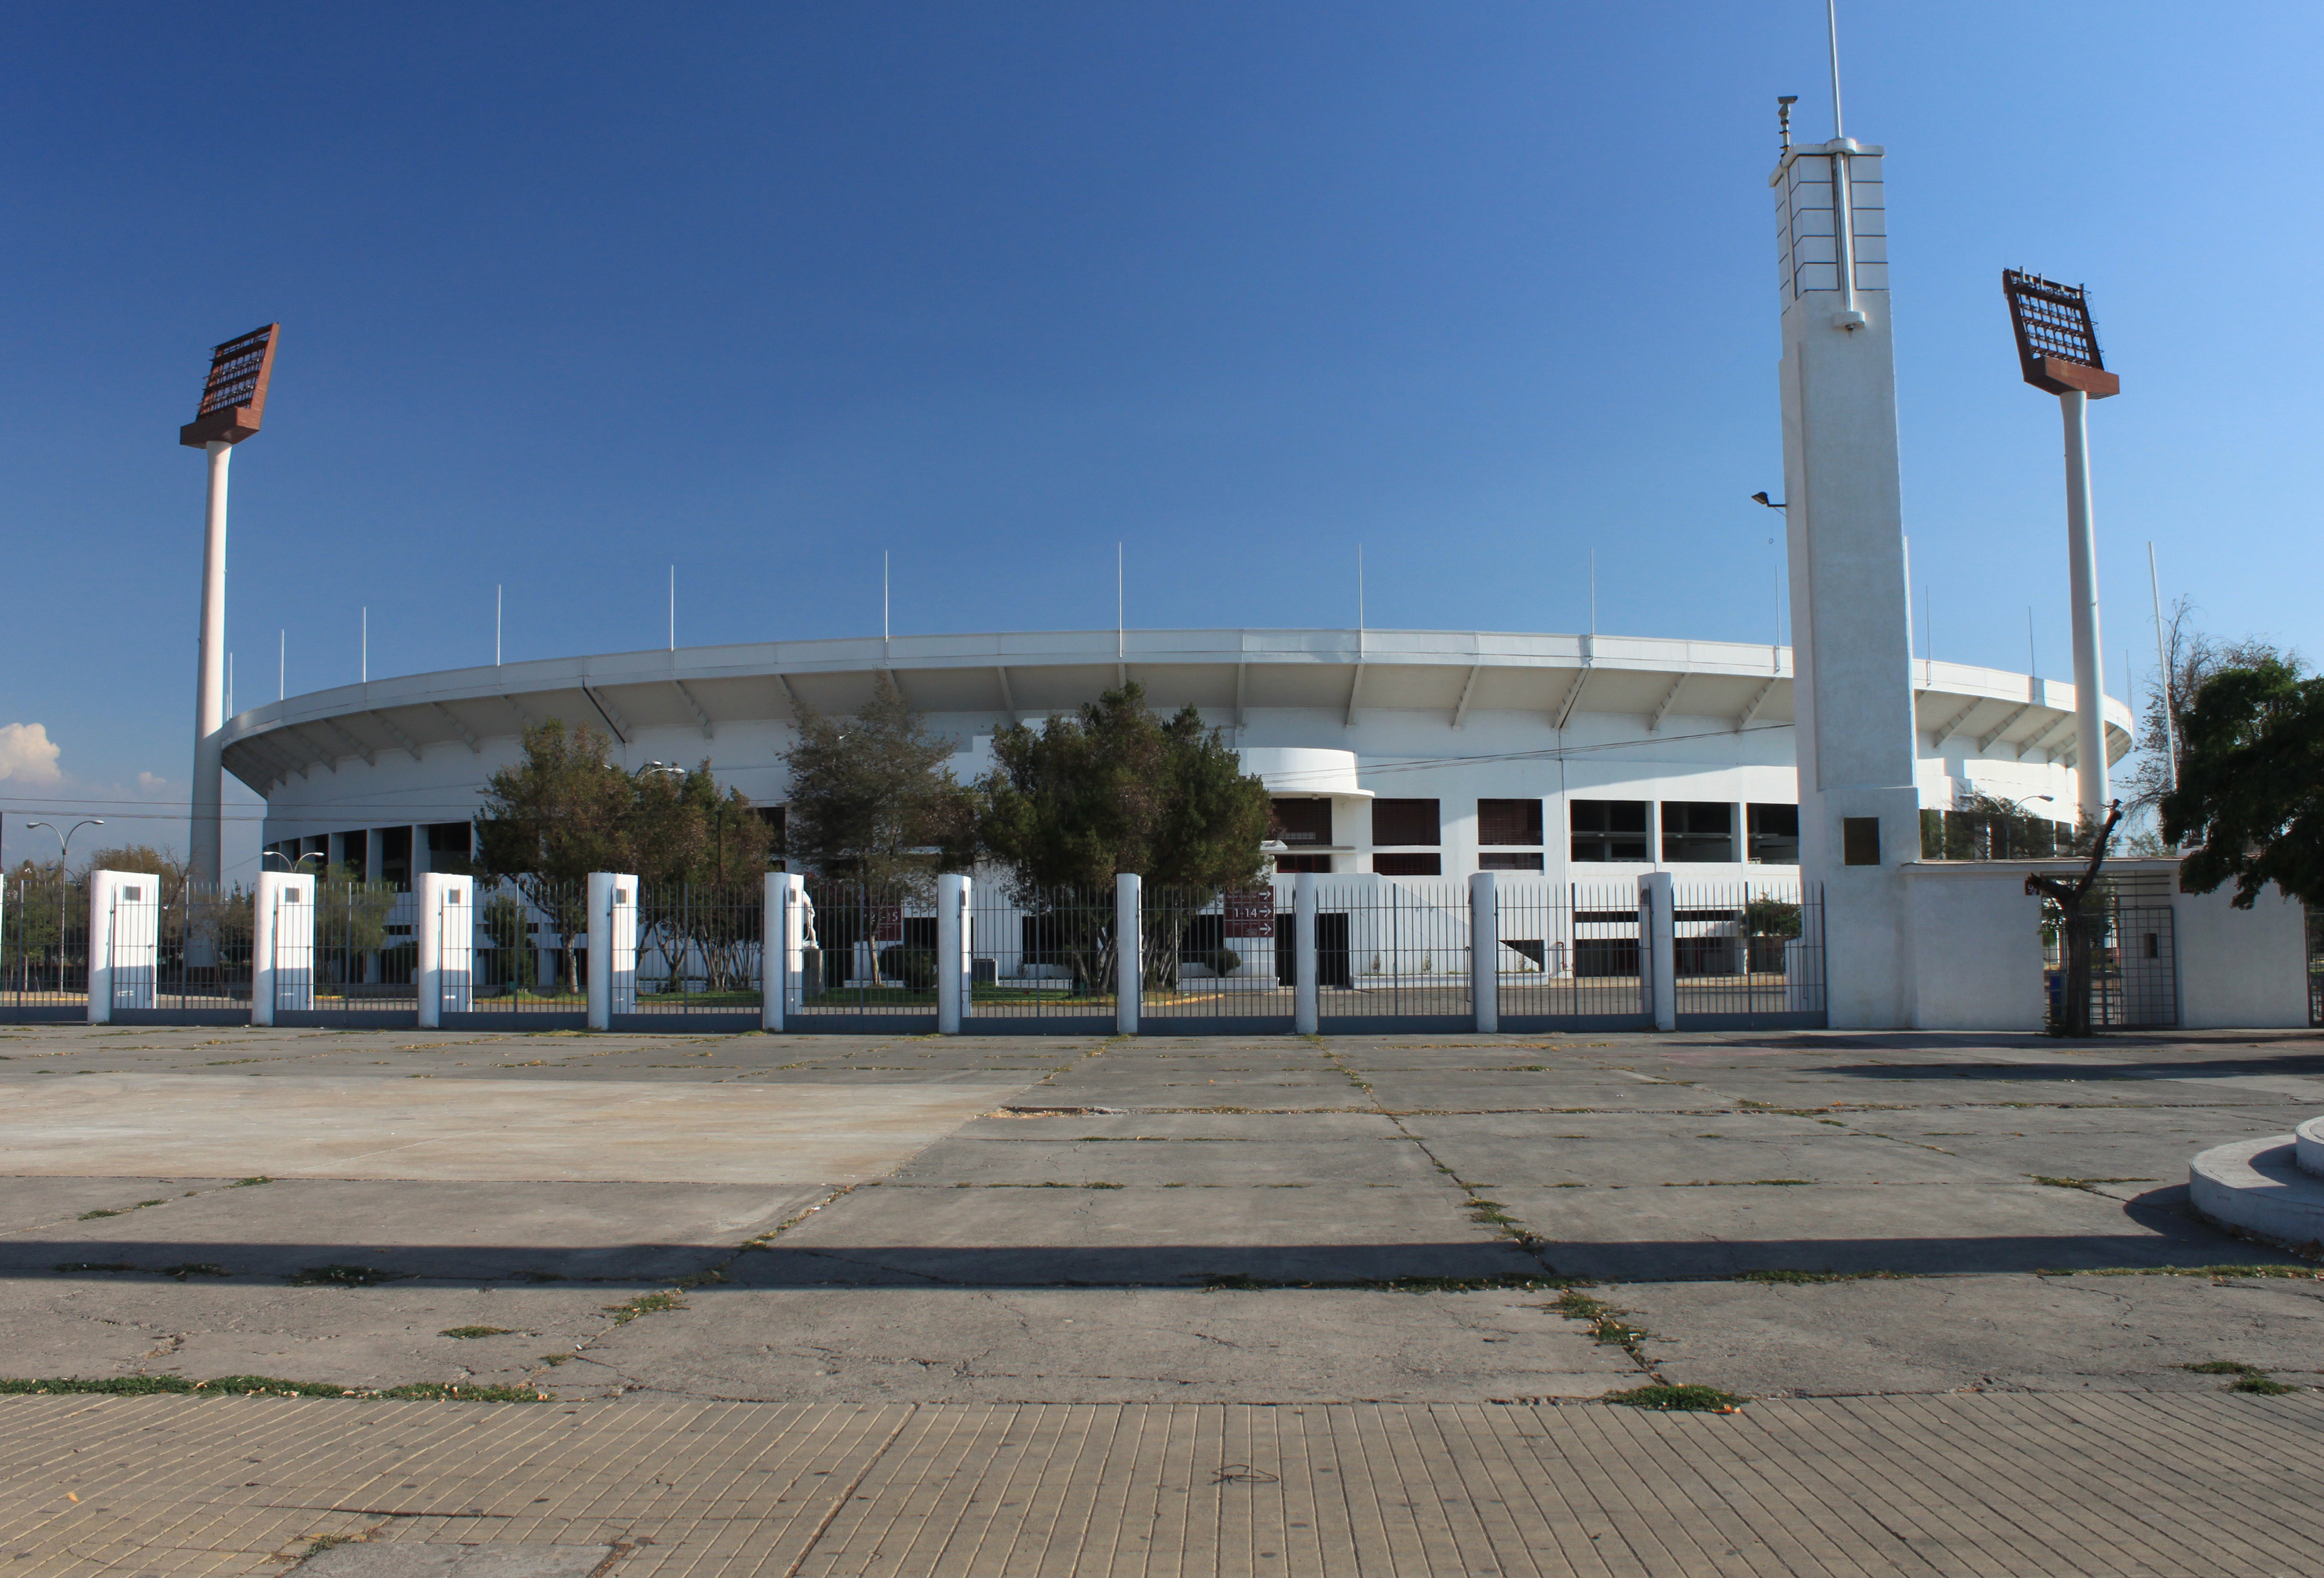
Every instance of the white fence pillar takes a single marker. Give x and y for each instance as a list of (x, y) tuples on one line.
[(952, 952), (282, 946), (783, 932), (1306, 1017), (1485, 950), (1658, 949), (444, 931), (124, 927), (612, 947), (1129, 952)]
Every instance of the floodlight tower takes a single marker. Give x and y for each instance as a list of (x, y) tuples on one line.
[(2058, 352), (233, 398)]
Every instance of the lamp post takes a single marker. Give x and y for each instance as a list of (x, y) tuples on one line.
[(233, 398), (64, 858), (288, 863), (2058, 352)]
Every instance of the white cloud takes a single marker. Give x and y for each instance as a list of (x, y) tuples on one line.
[(28, 755), (152, 783)]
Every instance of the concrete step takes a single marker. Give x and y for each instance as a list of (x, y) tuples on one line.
[(2259, 1187)]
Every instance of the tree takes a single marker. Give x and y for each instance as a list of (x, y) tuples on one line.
[(2251, 784), (1113, 788), (700, 856), (2082, 919), (2192, 658), (547, 822), (871, 800)]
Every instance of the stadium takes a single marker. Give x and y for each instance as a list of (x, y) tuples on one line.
[(1401, 753)]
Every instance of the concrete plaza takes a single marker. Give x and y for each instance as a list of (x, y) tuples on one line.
[(814, 1303)]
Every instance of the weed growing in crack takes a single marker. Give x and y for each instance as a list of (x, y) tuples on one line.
[(195, 1268), (1787, 1277), (1706, 1399), (1606, 1323), (2087, 1186), (342, 1276), (2249, 1377), (645, 1303), (467, 1332)]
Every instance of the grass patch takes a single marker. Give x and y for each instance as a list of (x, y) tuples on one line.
[(472, 1331), (118, 1211), (553, 1359), (1738, 1183), (1606, 1323), (249, 1183), (1704, 1400), (324, 1542), (2265, 1386), (2087, 1186), (2249, 1377), (1798, 1279), (645, 1303), (231, 1386), (342, 1276)]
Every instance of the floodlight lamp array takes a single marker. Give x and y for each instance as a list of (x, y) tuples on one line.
[(234, 396), (2057, 340)]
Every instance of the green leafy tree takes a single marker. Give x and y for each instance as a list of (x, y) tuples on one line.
[(1114, 788), (2251, 785), (701, 855), (547, 823), (2192, 658)]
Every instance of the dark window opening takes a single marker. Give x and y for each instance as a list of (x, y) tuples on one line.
[(1405, 822), (1290, 864), (1696, 831), (1859, 841), (1508, 862), (1298, 822), (1607, 830), (1509, 822), (1409, 866), (1775, 832), (354, 853), (395, 856)]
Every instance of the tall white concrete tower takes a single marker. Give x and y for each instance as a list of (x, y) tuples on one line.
[(1851, 640)]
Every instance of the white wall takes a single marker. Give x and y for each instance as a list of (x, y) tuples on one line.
[(1973, 947), (2239, 969)]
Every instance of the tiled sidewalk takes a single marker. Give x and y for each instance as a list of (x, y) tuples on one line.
[(1972, 1484)]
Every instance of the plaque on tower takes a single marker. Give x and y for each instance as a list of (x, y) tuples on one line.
[(233, 397), (2057, 341)]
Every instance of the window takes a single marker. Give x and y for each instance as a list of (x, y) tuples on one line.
[(1405, 822), (1606, 830), (1291, 864), (1409, 865), (1775, 836), (1298, 822), (1508, 862), (395, 856), (1859, 841), (354, 853), (1509, 822), (1694, 831)]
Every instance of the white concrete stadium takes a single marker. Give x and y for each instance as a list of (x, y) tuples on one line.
[(1416, 752)]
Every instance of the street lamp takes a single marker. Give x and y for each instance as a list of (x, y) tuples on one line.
[(288, 863), (2058, 352), (64, 857)]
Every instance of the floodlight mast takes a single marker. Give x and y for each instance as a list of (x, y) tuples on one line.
[(234, 399), (2058, 353)]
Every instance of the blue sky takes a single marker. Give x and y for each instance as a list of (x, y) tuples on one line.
[(573, 292)]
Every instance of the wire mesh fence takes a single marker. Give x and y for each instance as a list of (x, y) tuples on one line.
[(1571, 955), (1216, 960), (44, 943), (1747, 951), (1391, 951), (2133, 959)]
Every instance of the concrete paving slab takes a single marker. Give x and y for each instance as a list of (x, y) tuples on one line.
[(315, 1126), (1102, 1345), (985, 1236), (32, 1204), (1978, 1332), (367, 1560), (1666, 1233), (1384, 1161), (1833, 1158), (467, 1232)]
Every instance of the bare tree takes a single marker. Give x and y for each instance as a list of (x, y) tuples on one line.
[(2192, 658)]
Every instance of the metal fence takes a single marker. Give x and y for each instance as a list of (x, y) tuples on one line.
[(180, 948), (1571, 957), (525, 953), (869, 955), (1391, 953), (352, 963), (1217, 962), (2134, 960), (700, 950), (1748, 953), (44, 944), (1046, 959)]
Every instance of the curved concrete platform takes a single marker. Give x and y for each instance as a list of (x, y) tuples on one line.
[(2260, 1187)]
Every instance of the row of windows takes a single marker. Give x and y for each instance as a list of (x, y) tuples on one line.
[(1689, 831)]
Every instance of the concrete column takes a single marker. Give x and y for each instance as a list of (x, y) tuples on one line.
[(1485, 951), (1130, 950), (952, 952), (421, 863), (209, 682), (282, 946), (782, 931), (1306, 1017), (612, 947), (443, 927), (101, 886), (2083, 580), (1658, 949)]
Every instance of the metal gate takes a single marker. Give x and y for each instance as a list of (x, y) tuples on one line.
[(2134, 961)]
